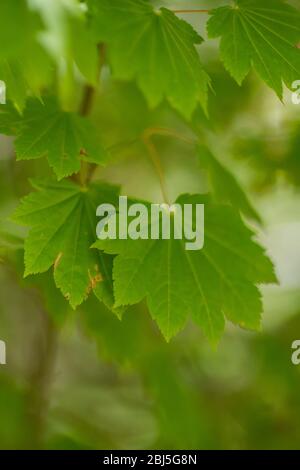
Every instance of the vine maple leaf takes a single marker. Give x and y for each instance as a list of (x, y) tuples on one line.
[(65, 138), (224, 186), (262, 33), (217, 281), (62, 217)]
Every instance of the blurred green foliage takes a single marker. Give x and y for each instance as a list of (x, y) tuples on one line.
[(85, 379)]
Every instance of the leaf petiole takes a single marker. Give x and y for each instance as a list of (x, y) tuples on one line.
[(190, 11)]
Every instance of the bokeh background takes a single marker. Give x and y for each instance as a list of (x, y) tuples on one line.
[(85, 380)]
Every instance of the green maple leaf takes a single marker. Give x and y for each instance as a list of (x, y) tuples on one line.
[(262, 33), (24, 63), (154, 47), (219, 280), (62, 217), (224, 186), (65, 138)]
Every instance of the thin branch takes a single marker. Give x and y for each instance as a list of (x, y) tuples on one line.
[(191, 11), (84, 110), (87, 100), (154, 155), (155, 158), (40, 375), (87, 170), (89, 91), (120, 145), (168, 133)]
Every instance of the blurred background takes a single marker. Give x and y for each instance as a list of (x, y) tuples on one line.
[(85, 380)]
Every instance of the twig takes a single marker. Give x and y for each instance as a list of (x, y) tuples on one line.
[(191, 11), (87, 100), (154, 155), (155, 158), (169, 133), (87, 170)]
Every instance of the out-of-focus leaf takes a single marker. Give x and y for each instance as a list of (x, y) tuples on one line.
[(18, 28), (67, 36), (262, 33), (154, 47), (224, 186)]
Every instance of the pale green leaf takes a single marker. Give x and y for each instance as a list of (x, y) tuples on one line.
[(66, 35)]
